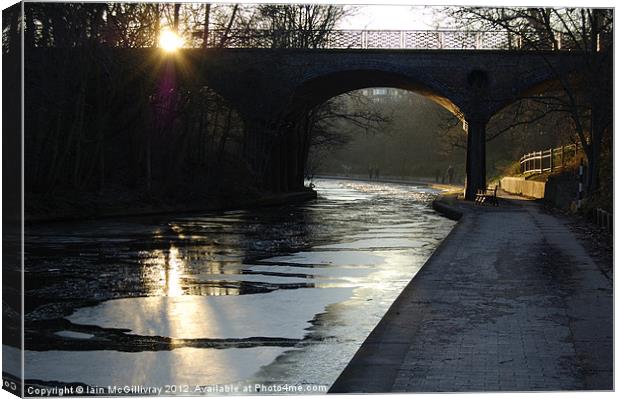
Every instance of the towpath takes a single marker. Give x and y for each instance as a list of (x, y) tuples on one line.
[(511, 301)]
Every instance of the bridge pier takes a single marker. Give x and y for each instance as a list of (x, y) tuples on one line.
[(293, 176), (262, 151), (475, 166), (273, 172), (282, 172), (290, 173), (276, 152), (277, 165)]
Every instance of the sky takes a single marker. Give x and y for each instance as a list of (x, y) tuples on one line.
[(396, 17), (399, 14), (412, 14)]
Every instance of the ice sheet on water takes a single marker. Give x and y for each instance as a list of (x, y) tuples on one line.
[(380, 243), (316, 272), (281, 313), (253, 278), (341, 258), (11, 360), (74, 334), (181, 366), (393, 226)]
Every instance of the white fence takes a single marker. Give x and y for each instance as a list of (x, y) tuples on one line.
[(548, 160)]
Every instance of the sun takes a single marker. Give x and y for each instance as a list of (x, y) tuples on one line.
[(170, 41)]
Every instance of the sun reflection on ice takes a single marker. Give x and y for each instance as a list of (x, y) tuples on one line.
[(172, 273)]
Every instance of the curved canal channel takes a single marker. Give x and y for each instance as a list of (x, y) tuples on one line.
[(273, 297)]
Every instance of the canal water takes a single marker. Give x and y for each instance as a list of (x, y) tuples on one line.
[(274, 298)]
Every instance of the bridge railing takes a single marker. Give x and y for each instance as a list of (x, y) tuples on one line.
[(382, 39), (548, 160)]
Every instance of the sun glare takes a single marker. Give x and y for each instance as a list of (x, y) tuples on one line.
[(170, 41)]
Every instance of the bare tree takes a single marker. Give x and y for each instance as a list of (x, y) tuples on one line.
[(334, 123), (585, 97)]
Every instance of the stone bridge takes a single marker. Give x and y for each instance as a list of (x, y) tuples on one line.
[(272, 90)]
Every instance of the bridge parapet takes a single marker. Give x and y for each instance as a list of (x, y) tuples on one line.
[(382, 39)]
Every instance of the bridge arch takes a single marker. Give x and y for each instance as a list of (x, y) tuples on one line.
[(318, 89), (549, 87), (274, 87)]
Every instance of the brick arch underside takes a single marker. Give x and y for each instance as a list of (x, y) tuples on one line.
[(317, 90), (529, 86)]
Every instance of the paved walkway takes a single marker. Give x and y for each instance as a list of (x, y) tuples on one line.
[(510, 301)]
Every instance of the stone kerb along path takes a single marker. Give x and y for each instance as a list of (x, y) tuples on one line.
[(510, 301)]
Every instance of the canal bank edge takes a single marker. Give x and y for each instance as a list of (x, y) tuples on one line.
[(214, 206), (447, 206), (374, 367)]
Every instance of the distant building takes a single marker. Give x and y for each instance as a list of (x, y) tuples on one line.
[(387, 94)]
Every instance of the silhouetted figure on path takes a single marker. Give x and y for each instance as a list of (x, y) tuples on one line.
[(450, 173)]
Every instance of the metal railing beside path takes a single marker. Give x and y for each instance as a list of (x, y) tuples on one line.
[(603, 219), (548, 160)]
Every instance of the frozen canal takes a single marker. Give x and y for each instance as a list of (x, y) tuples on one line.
[(275, 296)]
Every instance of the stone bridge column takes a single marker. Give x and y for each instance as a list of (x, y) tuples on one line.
[(292, 159), (297, 151), (271, 150), (258, 144), (288, 159), (476, 156)]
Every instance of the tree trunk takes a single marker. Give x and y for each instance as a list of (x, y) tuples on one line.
[(224, 138), (592, 170), (306, 131), (205, 32), (148, 155), (157, 23), (29, 31), (229, 26), (177, 9), (594, 152), (14, 30)]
